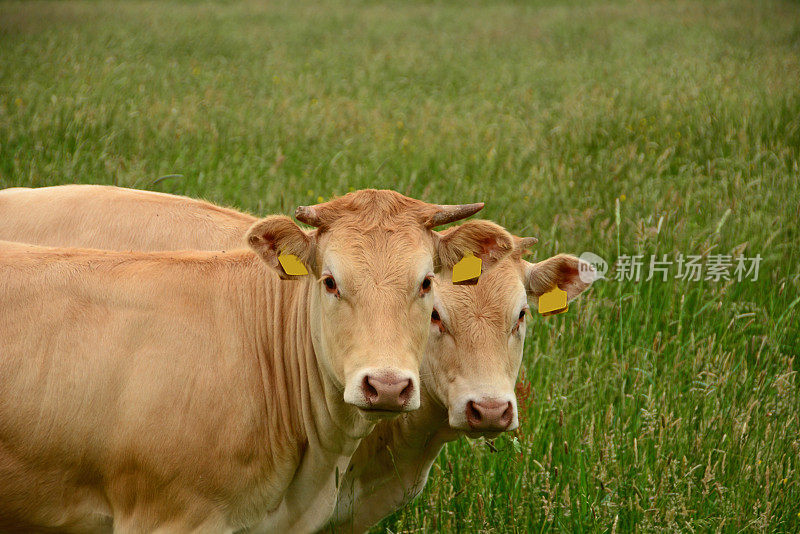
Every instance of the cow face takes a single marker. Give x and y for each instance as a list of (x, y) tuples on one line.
[(477, 332), (371, 261)]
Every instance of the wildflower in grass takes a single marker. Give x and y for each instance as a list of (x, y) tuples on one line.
[(622, 197), (524, 391), (320, 200)]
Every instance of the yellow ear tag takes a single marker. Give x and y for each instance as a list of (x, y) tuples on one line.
[(553, 302), (468, 270), (292, 265)]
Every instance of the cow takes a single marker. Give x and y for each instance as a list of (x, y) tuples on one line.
[(472, 359), (197, 390)]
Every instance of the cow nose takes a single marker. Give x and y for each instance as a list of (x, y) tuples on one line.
[(490, 415), (387, 392)]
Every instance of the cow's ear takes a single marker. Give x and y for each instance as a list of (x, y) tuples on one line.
[(486, 240), (278, 235), (569, 273)]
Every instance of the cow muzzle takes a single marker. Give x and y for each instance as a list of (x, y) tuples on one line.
[(485, 415), (489, 415), (383, 391)]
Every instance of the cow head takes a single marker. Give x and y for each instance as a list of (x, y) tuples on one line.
[(372, 256), (477, 332)]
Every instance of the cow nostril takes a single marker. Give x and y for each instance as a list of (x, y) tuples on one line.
[(369, 390), (508, 414), (473, 414), (405, 394)]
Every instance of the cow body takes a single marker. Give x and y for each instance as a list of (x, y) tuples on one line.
[(181, 391)]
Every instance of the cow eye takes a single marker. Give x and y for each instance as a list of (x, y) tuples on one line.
[(426, 286), (436, 321), (330, 285), (520, 321)]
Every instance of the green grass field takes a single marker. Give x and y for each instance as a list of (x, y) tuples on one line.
[(649, 406)]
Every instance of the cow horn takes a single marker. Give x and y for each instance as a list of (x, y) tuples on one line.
[(448, 213), (527, 242), (308, 215)]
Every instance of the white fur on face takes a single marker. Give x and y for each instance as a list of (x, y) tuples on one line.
[(376, 327), (477, 359)]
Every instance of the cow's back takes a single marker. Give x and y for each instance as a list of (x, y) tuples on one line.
[(115, 218)]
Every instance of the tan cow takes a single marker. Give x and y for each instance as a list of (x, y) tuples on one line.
[(473, 355), (198, 391)]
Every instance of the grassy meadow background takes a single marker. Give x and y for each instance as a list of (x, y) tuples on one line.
[(649, 406)]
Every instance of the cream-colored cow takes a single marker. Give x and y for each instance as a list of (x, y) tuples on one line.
[(196, 391), (473, 355)]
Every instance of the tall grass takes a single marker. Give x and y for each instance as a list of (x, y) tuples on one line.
[(649, 406)]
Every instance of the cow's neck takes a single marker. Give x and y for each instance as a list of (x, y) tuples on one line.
[(306, 419), (412, 442), (391, 465), (421, 434)]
